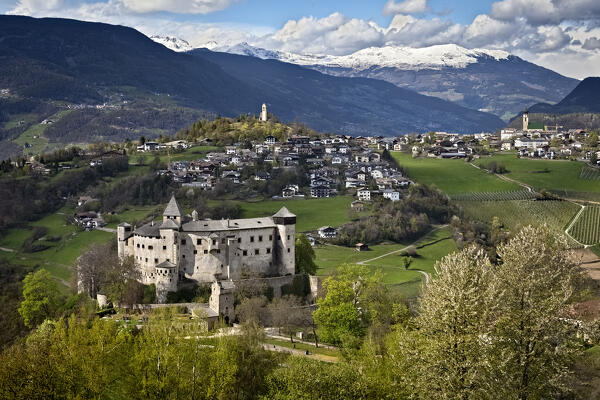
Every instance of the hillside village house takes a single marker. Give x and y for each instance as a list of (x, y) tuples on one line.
[(327, 232)]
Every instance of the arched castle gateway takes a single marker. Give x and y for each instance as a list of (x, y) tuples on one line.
[(209, 250)]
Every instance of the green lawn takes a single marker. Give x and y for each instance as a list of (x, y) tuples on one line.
[(408, 282), (62, 253), (557, 175), (193, 153), (452, 176), (303, 346), (134, 213), (312, 213)]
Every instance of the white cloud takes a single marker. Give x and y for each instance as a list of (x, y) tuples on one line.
[(178, 6), (591, 43), (546, 12), (334, 34), (406, 7)]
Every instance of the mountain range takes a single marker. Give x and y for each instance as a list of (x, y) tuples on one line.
[(115, 79), (486, 80)]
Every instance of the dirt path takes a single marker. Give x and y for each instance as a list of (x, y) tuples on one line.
[(402, 249), (302, 353), (6, 250), (573, 223), (110, 230), (425, 274)]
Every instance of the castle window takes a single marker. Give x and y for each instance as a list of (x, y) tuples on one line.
[(146, 260), (245, 252), (270, 237), (195, 251), (138, 245), (164, 247), (156, 261), (214, 242), (183, 242), (170, 260), (143, 247), (239, 240), (183, 256), (218, 251), (260, 238), (223, 240), (256, 251), (252, 238), (150, 247), (268, 251), (288, 249), (198, 241), (205, 251), (288, 237)]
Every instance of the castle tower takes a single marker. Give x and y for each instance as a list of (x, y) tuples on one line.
[(526, 121), (286, 245), (123, 233), (165, 281), (173, 211), (263, 113), (222, 298)]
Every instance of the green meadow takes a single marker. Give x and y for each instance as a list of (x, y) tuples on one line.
[(193, 153), (311, 213), (430, 249), (556, 175), (452, 176)]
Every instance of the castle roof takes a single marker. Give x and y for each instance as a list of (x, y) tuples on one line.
[(228, 224), (284, 213), (165, 264), (173, 209), (169, 224)]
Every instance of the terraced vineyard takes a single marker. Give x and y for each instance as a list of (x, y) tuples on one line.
[(589, 173), (494, 196), (516, 213), (587, 227)]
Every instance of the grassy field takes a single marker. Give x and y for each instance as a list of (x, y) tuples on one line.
[(65, 244), (35, 136), (312, 213), (408, 282), (135, 213), (193, 153), (516, 213), (587, 227), (452, 176), (558, 175)]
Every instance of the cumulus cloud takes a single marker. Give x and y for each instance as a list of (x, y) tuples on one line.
[(405, 7), (591, 43), (546, 12), (178, 6), (335, 34)]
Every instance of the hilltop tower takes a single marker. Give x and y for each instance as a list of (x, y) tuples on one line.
[(525, 121), (286, 245), (263, 113)]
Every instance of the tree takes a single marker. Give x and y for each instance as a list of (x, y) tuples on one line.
[(41, 298), (453, 313), (592, 140), (341, 315), (305, 256), (534, 285)]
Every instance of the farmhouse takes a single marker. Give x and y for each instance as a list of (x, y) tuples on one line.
[(211, 250), (327, 232)]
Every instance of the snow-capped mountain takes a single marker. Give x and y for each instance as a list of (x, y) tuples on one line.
[(486, 80), (173, 43), (405, 58)]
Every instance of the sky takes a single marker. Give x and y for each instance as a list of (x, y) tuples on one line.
[(563, 35)]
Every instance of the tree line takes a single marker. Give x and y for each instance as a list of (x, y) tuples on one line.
[(480, 330)]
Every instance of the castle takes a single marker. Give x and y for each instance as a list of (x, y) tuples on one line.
[(263, 113), (208, 250)]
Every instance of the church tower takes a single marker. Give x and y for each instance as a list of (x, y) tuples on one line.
[(525, 121), (263, 113)]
